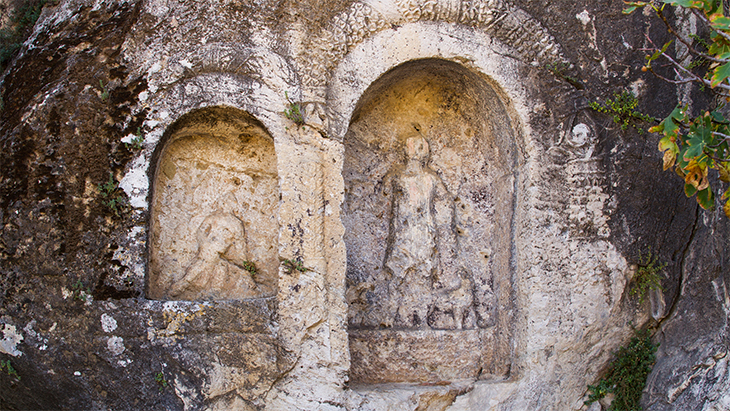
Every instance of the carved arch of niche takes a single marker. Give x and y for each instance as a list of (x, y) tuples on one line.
[(244, 64), (429, 233), (214, 209), (530, 41)]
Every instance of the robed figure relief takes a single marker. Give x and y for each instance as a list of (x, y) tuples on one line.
[(425, 284)]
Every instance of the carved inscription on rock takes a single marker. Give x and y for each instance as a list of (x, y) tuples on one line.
[(214, 217)]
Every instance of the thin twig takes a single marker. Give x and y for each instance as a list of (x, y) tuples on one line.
[(725, 136), (722, 160), (691, 74), (707, 21), (687, 43)]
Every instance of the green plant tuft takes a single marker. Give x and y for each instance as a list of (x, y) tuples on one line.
[(5, 365), (104, 91), (113, 197), (626, 376), (292, 265), (80, 292), (136, 141), (558, 69), (647, 276), (161, 381), (294, 111), (250, 267), (623, 110), (18, 29)]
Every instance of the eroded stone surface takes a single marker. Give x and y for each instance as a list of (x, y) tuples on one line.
[(214, 214), (426, 185), (423, 356)]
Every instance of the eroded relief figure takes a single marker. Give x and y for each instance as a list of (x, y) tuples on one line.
[(425, 286), (218, 267), (576, 153)]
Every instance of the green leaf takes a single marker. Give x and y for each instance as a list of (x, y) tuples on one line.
[(633, 5), (721, 23), (691, 4), (706, 198), (717, 116), (696, 144), (659, 52), (719, 46), (689, 190), (705, 132), (668, 126), (720, 74)]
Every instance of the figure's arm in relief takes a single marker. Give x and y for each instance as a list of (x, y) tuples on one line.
[(386, 191), (445, 217), (192, 274)]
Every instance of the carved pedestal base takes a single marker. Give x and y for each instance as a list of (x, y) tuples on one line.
[(415, 356)]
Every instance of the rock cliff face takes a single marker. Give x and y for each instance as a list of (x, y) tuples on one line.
[(343, 205)]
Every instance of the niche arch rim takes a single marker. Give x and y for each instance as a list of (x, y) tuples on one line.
[(475, 50)]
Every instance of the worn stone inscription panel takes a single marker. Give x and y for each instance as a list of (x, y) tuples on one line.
[(214, 211), (428, 209)]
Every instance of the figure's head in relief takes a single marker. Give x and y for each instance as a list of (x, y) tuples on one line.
[(416, 148), (580, 135), (221, 234), (215, 268)]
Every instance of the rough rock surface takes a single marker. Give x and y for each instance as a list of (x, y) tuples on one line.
[(449, 226)]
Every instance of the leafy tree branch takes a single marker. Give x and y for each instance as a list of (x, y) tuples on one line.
[(693, 145)]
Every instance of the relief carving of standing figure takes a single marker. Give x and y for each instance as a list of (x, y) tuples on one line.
[(421, 252)]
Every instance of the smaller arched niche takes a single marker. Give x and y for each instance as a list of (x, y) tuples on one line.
[(429, 177), (213, 227)]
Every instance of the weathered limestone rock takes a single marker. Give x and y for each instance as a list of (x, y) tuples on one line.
[(448, 227), (214, 229), (426, 183)]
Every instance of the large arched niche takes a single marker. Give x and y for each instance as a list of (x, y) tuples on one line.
[(429, 177), (214, 209)]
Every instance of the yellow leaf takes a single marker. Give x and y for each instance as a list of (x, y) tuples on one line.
[(704, 183), (724, 173), (726, 208), (667, 143), (669, 159), (696, 176)]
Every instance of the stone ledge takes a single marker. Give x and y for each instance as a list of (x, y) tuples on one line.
[(415, 356)]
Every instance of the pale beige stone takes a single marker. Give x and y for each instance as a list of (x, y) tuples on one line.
[(424, 356), (427, 179), (214, 213)]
